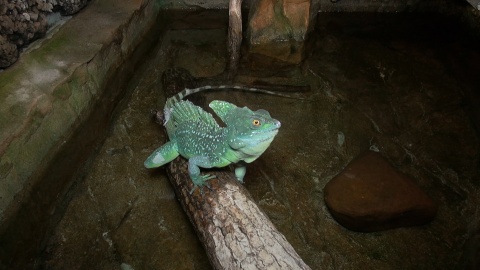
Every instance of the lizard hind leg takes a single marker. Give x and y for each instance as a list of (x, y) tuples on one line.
[(162, 155)]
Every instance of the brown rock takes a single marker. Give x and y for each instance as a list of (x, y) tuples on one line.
[(278, 28), (297, 12), (370, 195)]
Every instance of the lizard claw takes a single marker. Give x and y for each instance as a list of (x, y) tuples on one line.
[(200, 182), (201, 188)]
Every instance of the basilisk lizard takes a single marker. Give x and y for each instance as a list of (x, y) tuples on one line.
[(195, 135)]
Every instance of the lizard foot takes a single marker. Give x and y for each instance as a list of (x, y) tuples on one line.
[(200, 181)]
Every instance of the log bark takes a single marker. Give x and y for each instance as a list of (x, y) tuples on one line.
[(233, 229)]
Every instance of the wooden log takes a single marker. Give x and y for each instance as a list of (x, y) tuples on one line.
[(234, 231)]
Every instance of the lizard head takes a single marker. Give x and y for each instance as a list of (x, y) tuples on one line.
[(249, 132)]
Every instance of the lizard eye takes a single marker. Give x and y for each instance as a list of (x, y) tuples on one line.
[(256, 122)]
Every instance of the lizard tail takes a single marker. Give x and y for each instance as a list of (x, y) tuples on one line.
[(187, 92)]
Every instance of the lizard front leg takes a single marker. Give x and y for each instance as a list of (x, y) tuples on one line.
[(194, 164), (163, 155), (240, 171)]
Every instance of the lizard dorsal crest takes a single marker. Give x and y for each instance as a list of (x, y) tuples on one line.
[(222, 108)]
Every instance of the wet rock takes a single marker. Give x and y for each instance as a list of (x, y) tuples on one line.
[(277, 28), (70, 7), (370, 195)]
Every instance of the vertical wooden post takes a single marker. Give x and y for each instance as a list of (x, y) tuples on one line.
[(234, 36)]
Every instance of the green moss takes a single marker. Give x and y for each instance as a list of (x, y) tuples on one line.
[(5, 168), (62, 92), (9, 79), (59, 42)]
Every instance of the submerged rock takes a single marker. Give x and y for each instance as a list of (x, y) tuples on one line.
[(370, 195)]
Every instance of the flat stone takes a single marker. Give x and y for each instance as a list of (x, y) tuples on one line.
[(371, 195)]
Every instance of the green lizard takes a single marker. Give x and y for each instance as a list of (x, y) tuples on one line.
[(195, 135)]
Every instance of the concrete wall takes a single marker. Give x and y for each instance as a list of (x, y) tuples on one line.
[(48, 98)]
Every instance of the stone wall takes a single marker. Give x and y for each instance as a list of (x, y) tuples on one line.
[(24, 21)]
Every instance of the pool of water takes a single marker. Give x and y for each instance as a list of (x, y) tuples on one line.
[(403, 84)]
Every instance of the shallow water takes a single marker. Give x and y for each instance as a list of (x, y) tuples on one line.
[(400, 84)]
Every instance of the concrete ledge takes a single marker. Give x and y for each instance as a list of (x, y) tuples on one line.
[(45, 92), (48, 96)]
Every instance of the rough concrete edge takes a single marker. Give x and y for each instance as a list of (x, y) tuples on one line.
[(87, 79)]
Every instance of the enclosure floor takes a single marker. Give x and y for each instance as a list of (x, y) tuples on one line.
[(403, 85)]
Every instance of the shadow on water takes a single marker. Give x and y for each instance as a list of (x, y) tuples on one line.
[(404, 84)]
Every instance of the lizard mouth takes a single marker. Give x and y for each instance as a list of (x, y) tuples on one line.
[(267, 134), (261, 138), (264, 135)]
